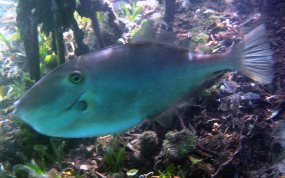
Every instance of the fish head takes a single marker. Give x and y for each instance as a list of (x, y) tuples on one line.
[(56, 102)]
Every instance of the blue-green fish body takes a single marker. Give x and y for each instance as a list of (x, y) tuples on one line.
[(116, 88)]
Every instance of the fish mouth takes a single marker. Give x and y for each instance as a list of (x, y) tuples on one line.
[(78, 104)]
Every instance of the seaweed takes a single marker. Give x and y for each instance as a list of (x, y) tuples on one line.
[(131, 13), (29, 170), (114, 155), (52, 155), (6, 41)]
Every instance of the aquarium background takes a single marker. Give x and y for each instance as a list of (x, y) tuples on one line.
[(230, 127)]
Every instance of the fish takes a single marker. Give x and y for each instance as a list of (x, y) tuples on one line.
[(115, 89)]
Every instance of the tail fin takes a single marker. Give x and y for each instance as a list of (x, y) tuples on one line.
[(256, 56)]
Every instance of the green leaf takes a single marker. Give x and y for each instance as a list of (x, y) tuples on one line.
[(4, 40), (3, 91), (15, 36), (136, 12), (33, 166), (195, 161)]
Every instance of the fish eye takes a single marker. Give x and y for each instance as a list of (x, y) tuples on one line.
[(76, 77)]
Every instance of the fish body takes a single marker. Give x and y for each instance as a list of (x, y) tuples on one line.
[(116, 88)]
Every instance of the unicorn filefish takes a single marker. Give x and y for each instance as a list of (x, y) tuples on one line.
[(116, 88)]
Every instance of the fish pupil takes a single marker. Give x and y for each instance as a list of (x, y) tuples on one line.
[(76, 77)]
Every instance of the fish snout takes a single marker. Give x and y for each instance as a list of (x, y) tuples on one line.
[(17, 109), (15, 106)]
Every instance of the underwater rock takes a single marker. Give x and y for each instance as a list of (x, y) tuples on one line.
[(250, 96), (194, 1), (147, 143), (229, 86), (146, 148), (117, 175), (53, 173), (178, 144), (104, 143), (280, 138), (234, 101), (132, 172)]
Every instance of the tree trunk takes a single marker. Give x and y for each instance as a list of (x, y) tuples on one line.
[(97, 31)]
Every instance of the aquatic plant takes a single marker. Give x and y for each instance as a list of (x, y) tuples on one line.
[(6, 41), (15, 37), (14, 89), (44, 150), (145, 31), (58, 147), (43, 155), (173, 170), (201, 38), (195, 161), (41, 152), (45, 45), (29, 170), (115, 155), (114, 159), (52, 155), (169, 171), (51, 61), (19, 87), (4, 173), (82, 21), (28, 137), (132, 13)]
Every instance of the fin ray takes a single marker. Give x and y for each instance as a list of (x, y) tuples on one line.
[(256, 56)]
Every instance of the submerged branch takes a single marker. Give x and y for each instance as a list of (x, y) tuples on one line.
[(97, 31), (29, 33), (169, 12), (79, 36), (57, 21)]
